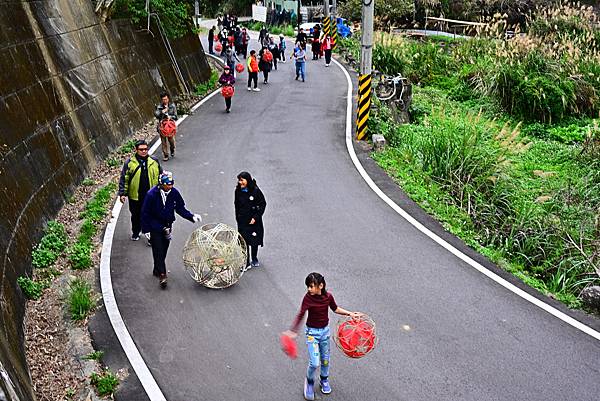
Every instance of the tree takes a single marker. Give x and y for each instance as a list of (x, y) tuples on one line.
[(386, 12), (175, 15)]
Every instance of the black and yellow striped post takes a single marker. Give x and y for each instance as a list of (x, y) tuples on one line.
[(333, 31), (364, 105), (326, 25), (364, 78)]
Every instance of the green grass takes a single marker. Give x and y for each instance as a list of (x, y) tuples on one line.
[(106, 382), (528, 78), (96, 208), (94, 356), (113, 162), (127, 147), (208, 86), (528, 204), (80, 299), (80, 253)]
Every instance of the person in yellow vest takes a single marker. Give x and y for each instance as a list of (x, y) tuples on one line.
[(139, 174), (252, 65)]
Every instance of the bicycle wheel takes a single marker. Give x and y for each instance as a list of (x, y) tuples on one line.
[(384, 90)]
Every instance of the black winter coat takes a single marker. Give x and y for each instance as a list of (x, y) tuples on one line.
[(249, 205)]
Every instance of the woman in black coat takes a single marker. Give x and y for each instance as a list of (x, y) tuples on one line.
[(250, 205)]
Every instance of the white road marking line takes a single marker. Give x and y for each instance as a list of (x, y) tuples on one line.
[(511, 287), (131, 351)]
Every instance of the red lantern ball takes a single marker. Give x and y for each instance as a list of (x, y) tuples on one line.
[(227, 91), (356, 338), (268, 56), (239, 67), (218, 46)]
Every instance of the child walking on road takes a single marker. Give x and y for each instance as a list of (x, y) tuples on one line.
[(316, 301), (300, 57)]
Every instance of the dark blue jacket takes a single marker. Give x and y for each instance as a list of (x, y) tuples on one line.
[(156, 216)]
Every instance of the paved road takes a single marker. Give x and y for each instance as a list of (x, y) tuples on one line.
[(469, 338)]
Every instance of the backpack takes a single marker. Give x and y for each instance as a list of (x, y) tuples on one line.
[(168, 128)]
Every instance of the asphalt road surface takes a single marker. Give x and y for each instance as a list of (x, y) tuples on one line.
[(446, 331)]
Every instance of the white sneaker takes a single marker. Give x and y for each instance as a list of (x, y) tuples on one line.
[(249, 89), (256, 89)]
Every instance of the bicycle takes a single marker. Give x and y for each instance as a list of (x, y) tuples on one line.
[(386, 87)]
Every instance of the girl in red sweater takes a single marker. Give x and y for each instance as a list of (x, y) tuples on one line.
[(317, 301)]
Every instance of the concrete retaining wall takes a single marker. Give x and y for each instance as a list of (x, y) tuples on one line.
[(71, 89)]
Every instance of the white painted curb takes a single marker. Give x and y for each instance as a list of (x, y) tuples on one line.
[(480, 268)]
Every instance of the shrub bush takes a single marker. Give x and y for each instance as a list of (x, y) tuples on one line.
[(51, 245), (31, 289)]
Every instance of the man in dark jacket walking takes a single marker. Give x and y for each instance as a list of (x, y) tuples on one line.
[(158, 215), (139, 174)]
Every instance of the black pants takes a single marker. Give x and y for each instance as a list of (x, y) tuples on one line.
[(160, 246), (245, 50), (282, 54), (135, 208), (252, 252), (327, 56), (266, 75), (210, 46), (275, 63), (228, 102), (253, 76)]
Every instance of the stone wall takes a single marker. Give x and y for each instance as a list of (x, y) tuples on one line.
[(71, 89)]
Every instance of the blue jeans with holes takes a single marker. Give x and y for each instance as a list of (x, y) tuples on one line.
[(317, 342)]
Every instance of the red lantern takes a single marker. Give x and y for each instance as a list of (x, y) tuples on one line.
[(218, 47), (268, 56), (239, 67), (168, 128), (288, 346), (227, 91), (356, 338)]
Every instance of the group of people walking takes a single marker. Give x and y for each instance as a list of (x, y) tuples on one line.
[(154, 201), (266, 59)]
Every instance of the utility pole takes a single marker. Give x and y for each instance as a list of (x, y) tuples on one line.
[(326, 20), (364, 78), (298, 16), (334, 22)]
